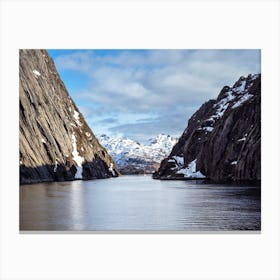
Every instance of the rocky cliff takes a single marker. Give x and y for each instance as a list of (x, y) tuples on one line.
[(55, 142), (222, 141)]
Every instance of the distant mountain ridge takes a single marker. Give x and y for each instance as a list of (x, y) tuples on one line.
[(132, 157), (222, 141)]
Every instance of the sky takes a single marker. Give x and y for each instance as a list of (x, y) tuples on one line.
[(141, 93)]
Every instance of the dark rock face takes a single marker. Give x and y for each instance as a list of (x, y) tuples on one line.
[(55, 142), (223, 138)]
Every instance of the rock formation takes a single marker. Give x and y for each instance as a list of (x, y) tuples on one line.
[(222, 141), (55, 142)]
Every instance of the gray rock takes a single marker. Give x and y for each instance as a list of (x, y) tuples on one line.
[(223, 136), (55, 142)]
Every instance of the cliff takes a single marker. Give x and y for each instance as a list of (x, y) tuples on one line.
[(55, 142), (222, 141)]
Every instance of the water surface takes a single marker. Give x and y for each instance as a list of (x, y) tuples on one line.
[(139, 203)]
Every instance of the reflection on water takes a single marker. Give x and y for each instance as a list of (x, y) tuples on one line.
[(139, 203)]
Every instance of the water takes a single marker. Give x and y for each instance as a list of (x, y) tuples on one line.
[(139, 203)]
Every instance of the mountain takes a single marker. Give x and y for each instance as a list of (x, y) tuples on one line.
[(132, 157), (222, 141), (55, 142)]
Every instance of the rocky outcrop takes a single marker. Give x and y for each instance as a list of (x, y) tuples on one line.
[(55, 142), (222, 141)]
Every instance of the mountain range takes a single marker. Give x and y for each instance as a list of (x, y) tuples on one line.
[(132, 157)]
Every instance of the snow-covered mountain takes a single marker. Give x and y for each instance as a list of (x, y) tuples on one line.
[(133, 157)]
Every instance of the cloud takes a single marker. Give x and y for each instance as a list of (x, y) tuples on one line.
[(173, 123), (76, 61), (158, 82), (108, 121)]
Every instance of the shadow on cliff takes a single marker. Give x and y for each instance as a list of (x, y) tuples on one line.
[(95, 169)]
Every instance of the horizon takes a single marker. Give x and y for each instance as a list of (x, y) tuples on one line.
[(130, 93)]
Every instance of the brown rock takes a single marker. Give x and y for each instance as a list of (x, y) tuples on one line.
[(53, 135)]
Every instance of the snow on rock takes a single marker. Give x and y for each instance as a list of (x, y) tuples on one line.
[(244, 98), (190, 171), (36, 73), (55, 166), (43, 140), (206, 128), (77, 117), (223, 105), (240, 88), (179, 161), (88, 136), (233, 162), (253, 76), (77, 158), (234, 97), (111, 169)]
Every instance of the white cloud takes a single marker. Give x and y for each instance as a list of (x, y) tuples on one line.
[(157, 81)]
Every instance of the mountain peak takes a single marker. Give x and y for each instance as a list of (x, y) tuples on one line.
[(133, 157)]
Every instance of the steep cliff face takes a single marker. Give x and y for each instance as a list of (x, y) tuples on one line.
[(55, 142), (222, 141)]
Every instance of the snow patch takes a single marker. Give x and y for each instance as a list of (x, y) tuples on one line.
[(241, 139), (43, 140), (243, 99), (111, 169), (77, 117), (178, 160), (222, 105), (206, 128), (77, 158), (254, 76), (190, 171), (233, 162), (36, 73), (240, 88), (55, 166)]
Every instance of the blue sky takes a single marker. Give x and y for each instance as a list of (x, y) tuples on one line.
[(141, 93)]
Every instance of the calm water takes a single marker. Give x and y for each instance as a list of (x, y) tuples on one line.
[(139, 203)]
